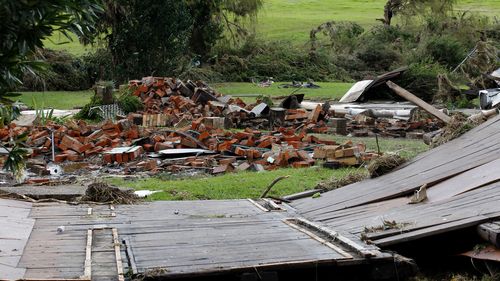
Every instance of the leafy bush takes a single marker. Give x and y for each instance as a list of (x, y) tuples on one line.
[(421, 79), (379, 56), (64, 73), (278, 59), (128, 102), (98, 65), (446, 50), (85, 113)]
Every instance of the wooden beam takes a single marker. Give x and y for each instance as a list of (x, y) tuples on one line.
[(87, 273), (118, 256), (416, 100), (317, 238)]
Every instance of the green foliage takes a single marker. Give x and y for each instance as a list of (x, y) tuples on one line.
[(25, 24), (145, 37), (379, 56), (64, 73), (98, 65), (8, 113), (445, 50), (43, 114), (129, 103), (85, 112), (218, 19), (15, 162), (281, 60), (421, 79)]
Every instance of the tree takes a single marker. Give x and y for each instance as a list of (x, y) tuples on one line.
[(145, 37), (213, 18), (415, 7), (26, 23)]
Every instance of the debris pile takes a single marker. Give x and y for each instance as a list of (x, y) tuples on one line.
[(384, 164), (102, 192), (170, 102), (201, 146), (345, 154)]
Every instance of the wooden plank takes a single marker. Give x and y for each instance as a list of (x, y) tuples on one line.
[(475, 148), (361, 249), (431, 231), (130, 255), (317, 238), (87, 272), (419, 102), (119, 265)]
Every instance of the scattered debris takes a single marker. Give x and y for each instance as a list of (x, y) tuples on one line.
[(103, 193), (335, 182), (458, 125), (420, 195)]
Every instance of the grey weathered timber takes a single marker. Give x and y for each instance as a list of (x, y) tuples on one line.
[(15, 229), (479, 146), (463, 191), (188, 238)]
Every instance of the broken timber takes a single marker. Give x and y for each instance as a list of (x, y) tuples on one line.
[(416, 100)]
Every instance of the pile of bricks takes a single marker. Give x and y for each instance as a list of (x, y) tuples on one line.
[(345, 154), (191, 115), (363, 126), (170, 102)]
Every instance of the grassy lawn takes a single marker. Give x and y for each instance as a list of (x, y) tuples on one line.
[(251, 184), (328, 91), (58, 99), (69, 100), (59, 42), (292, 20), (233, 185)]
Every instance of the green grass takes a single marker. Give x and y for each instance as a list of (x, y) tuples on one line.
[(251, 184), (69, 100), (57, 99), (233, 185), (59, 42), (292, 20), (328, 91)]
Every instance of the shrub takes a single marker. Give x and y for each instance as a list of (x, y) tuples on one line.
[(85, 113), (378, 56), (98, 65), (421, 79), (446, 50), (128, 102), (65, 73), (281, 60)]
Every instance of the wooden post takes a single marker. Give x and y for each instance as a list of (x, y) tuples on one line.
[(416, 100)]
